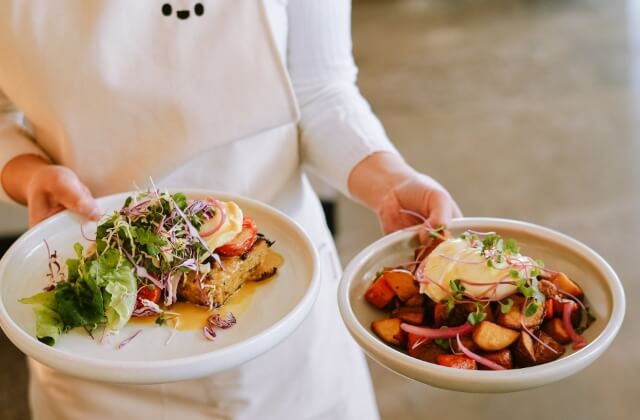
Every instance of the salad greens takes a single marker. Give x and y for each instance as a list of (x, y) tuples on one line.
[(85, 298), (153, 241)]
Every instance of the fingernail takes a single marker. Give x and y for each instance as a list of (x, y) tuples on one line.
[(95, 214), (89, 208)]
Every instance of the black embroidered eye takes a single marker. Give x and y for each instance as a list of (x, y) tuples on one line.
[(199, 9), (167, 9)]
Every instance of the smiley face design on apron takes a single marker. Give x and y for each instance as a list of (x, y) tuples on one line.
[(201, 94), (177, 86)]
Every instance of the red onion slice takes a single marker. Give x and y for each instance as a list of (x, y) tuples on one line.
[(223, 218), (147, 308), (216, 320), (209, 333), (426, 332), (482, 360), (578, 340)]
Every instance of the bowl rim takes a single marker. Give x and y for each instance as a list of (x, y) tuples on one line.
[(249, 347), (538, 375)]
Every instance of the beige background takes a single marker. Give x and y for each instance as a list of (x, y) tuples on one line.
[(522, 109)]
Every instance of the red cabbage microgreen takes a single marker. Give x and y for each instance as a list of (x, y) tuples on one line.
[(128, 340)]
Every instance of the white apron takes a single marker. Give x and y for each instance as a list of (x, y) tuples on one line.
[(200, 102)]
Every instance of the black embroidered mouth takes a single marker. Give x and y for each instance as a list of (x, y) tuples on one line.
[(198, 10), (183, 14)]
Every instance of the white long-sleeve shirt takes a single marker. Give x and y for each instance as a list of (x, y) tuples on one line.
[(337, 126)]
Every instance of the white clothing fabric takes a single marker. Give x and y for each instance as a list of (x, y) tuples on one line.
[(237, 99), (137, 50)]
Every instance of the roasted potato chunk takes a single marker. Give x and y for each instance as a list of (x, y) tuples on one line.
[(564, 283), (548, 308), (430, 352), (409, 314), (402, 283), (512, 318), (379, 293), (417, 300), (492, 337), (529, 352), (389, 331), (416, 343), (502, 357), (456, 361), (467, 341), (524, 351), (544, 354), (549, 290), (555, 329), (442, 316), (471, 307)]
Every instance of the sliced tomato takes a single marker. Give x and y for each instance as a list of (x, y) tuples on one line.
[(243, 240), (151, 293)]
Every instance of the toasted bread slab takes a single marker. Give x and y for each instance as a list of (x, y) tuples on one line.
[(219, 284)]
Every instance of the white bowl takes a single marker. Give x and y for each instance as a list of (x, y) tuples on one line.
[(601, 285), (275, 311)]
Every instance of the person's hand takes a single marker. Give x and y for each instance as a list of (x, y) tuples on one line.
[(47, 189), (400, 196), (417, 199)]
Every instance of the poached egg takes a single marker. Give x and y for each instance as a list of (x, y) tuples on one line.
[(231, 227), (455, 259)]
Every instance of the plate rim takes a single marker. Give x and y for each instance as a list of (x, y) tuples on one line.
[(292, 319), (508, 379)]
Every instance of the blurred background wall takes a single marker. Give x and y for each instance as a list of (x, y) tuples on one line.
[(524, 109)]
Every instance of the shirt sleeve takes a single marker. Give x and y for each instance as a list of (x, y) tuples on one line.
[(338, 128), (14, 139)]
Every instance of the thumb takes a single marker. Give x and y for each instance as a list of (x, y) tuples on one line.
[(439, 209), (76, 197)]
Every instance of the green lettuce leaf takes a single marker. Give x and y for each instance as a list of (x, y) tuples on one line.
[(116, 275), (149, 239), (76, 302), (49, 325)]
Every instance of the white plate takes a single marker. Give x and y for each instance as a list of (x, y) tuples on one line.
[(600, 283), (275, 311)]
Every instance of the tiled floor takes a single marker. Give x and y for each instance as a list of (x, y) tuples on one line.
[(523, 109)]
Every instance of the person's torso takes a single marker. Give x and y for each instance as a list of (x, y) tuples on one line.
[(120, 90)]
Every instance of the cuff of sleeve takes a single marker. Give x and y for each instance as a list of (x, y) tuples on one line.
[(14, 142), (340, 137), (347, 159)]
